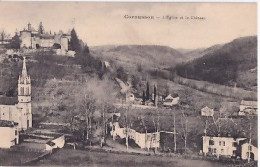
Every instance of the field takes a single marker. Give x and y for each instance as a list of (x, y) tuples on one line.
[(99, 159), (15, 158)]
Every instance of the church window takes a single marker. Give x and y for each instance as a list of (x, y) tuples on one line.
[(27, 91), (22, 90)]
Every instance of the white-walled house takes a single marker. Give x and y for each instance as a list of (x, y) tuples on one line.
[(247, 107), (246, 148), (143, 139), (171, 100), (206, 111), (230, 147), (226, 146), (9, 135)]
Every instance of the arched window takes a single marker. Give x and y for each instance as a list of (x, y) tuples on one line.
[(27, 91), (22, 91)]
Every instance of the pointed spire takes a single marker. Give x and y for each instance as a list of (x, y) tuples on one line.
[(24, 71)]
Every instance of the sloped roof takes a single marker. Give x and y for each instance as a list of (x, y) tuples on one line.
[(5, 123), (8, 100), (249, 103)]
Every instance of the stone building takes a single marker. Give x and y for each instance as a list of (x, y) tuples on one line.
[(21, 112), (32, 39)]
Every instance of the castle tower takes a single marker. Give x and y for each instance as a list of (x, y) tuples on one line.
[(29, 27), (24, 98)]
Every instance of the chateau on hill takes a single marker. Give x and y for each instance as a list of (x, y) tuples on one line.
[(33, 39), (20, 113)]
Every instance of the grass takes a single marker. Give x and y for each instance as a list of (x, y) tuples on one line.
[(15, 158), (67, 157)]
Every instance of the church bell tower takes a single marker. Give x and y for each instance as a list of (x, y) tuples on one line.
[(24, 98), (24, 85)]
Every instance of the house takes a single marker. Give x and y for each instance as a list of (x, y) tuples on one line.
[(225, 146), (248, 149), (248, 107), (20, 112), (9, 134), (229, 147), (171, 100), (145, 139), (43, 141), (206, 111)]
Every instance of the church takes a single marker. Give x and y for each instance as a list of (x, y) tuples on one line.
[(20, 113)]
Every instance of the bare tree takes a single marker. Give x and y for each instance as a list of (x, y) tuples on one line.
[(184, 124), (3, 36)]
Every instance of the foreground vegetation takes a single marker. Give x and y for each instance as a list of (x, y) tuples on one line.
[(69, 157)]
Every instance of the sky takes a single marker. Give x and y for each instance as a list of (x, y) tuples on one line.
[(103, 23)]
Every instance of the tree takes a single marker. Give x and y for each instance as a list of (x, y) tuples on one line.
[(41, 28), (121, 74), (15, 42), (184, 125), (147, 91), (74, 43), (155, 95), (3, 36), (143, 98)]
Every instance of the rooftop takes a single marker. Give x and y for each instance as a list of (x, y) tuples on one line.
[(8, 100), (5, 123)]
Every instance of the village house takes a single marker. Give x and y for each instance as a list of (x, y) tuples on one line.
[(43, 140), (229, 147), (171, 100), (247, 107), (20, 113), (9, 134), (145, 139), (248, 149), (206, 111)]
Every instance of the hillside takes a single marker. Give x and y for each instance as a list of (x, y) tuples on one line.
[(197, 53), (234, 62), (130, 56)]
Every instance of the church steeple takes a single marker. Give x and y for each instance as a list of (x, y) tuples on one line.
[(24, 78), (24, 85)]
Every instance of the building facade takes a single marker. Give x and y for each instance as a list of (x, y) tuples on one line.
[(20, 113), (32, 39), (206, 111), (9, 134), (229, 147), (248, 107), (145, 140)]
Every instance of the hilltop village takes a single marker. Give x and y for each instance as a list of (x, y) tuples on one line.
[(55, 95)]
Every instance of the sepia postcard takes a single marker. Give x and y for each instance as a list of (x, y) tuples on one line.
[(140, 84)]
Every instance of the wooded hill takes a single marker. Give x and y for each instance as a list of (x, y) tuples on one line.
[(233, 63)]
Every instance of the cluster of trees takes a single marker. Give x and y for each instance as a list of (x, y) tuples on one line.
[(147, 94), (121, 74), (83, 56)]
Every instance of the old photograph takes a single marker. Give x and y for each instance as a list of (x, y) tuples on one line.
[(136, 84)]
